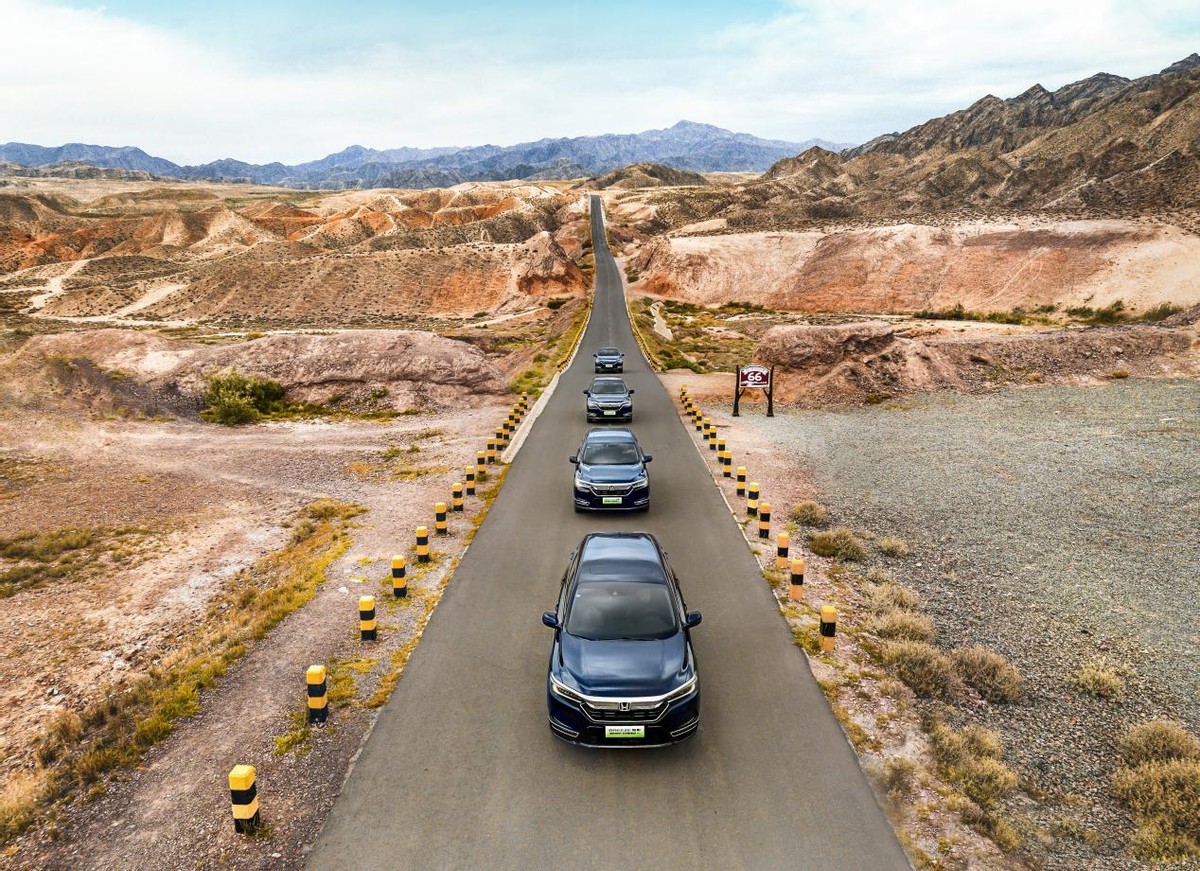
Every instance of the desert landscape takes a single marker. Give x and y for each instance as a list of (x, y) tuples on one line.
[(226, 406)]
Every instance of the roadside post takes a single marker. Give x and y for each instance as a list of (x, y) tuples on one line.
[(243, 796), (318, 694), (754, 377)]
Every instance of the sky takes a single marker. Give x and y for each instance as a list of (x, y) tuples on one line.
[(292, 81)]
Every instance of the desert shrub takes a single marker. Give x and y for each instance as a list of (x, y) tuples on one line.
[(62, 734), (901, 625), (971, 759), (1157, 741), (1160, 312), (234, 399), (555, 303), (1110, 314), (898, 777), (839, 543), (808, 513), (302, 530), (324, 509), (884, 596), (893, 546), (1099, 678), (992, 676), (1119, 374), (1165, 799), (924, 669)]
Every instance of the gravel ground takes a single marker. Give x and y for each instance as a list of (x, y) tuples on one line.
[(1053, 525)]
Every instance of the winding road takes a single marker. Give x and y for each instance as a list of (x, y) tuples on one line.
[(461, 770)]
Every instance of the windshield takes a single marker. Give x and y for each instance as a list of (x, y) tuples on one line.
[(611, 454), (609, 352), (611, 610), (608, 388)]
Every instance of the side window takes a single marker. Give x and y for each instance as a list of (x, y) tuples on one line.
[(562, 593)]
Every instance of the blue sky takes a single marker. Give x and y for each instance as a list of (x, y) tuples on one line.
[(294, 81)]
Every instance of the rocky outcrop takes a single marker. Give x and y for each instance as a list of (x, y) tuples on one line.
[(644, 175)]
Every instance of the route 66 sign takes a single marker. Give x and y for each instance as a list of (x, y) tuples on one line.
[(754, 376)]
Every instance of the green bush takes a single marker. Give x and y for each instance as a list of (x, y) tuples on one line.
[(555, 303), (234, 399)]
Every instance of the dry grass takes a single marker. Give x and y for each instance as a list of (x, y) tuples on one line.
[(892, 546), (838, 543), (992, 676), (119, 729), (808, 513), (970, 759), (1157, 741), (901, 624), (889, 596), (898, 778), (1100, 678), (1165, 799), (922, 667), (34, 559)]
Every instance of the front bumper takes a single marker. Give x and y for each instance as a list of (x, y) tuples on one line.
[(622, 413), (635, 499), (610, 367), (677, 723)]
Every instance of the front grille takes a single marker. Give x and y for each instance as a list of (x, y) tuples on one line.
[(612, 489), (610, 712)]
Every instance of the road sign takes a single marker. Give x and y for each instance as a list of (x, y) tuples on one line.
[(754, 376)]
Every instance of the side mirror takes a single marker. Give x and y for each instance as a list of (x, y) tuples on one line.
[(647, 458), (573, 459), (551, 619), (587, 393), (631, 392), (693, 619)]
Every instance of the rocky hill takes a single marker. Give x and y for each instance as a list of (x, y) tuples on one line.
[(645, 175), (686, 145), (184, 254), (1104, 144)]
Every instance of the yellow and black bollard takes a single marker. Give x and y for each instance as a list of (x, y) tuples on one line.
[(707, 429), (243, 795), (366, 617), (525, 402), (783, 543), (796, 592), (513, 420), (501, 438), (741, 481), (439, 519), (698, 419), (318, 694), (712, 438), (480, 463), (828, 628), (469, 477), (726, 464), (752, 500), (456, 497), (422, 544), (491, 451), (720, 448), (399, 577), (764, 520)]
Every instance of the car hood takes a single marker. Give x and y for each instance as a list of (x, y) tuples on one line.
[(626, 668), (608, 358), (611, 474), (609, 398)]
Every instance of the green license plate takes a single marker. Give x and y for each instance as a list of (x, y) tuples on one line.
[(624, 731), (610, 500), (611, 413)]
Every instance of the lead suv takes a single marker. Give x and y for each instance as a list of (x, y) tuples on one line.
[(609, 399), (609, 360), (610, 472), (622, 672)]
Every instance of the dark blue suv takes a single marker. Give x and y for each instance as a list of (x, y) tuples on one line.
[(609, 360), (609, 398), (610, 472), (622, 672)]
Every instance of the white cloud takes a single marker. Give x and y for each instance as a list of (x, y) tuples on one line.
[(845, 70)]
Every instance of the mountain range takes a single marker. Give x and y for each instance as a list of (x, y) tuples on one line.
[(687, 145), (1104, 144)]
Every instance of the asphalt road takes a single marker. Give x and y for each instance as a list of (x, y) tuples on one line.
[(461, 770)]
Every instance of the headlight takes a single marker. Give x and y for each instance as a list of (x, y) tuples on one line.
[(642, 481), (581, 484), (561, 689), (686, 690)]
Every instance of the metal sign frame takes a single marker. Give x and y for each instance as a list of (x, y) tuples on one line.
[(739, 389)]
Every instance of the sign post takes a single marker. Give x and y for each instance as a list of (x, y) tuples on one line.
[(755, 377)]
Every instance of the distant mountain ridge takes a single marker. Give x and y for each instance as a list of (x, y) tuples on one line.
[(686, 146)]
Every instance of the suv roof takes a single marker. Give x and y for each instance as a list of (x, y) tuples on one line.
[(626, 556), (610, 435)]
